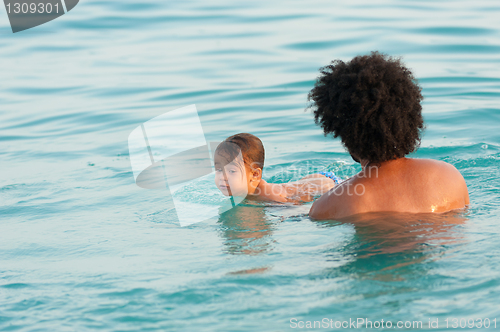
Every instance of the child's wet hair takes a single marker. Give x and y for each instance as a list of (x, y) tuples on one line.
[(250, 146)]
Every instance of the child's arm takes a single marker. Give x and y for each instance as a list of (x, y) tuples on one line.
[(308, 187), (317, 184)]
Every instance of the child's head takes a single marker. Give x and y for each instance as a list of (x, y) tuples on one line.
[(239, 161), (372, 103)]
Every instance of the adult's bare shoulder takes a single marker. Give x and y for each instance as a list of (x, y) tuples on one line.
[(336, 203), (324, 207), (449, 178), (442, 170)]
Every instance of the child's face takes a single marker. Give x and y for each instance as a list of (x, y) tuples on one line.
[(231, 178)]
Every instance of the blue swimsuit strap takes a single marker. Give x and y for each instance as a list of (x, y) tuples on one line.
[(332, 176)]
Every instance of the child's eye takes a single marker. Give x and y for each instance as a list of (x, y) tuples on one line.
[(218, 169), (232, 171)]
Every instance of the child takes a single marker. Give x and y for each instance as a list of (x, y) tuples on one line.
[(239, 161)]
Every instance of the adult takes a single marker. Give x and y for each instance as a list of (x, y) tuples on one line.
[(373, 104)]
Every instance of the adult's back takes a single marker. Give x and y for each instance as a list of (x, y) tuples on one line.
[(401, 185), (373, 104)]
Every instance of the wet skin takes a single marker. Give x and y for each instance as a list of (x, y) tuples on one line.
[(237, 179), (400, 185)]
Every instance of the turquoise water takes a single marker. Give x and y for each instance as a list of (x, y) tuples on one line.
[(83, 248)]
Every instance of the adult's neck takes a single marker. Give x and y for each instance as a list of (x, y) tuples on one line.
[(366, 163)]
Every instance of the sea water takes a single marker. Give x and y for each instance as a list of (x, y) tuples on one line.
[(83, 248)]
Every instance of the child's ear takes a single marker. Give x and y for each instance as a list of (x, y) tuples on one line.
[(257, 173)]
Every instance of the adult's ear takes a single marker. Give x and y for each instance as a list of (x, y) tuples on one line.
[(354, 158)]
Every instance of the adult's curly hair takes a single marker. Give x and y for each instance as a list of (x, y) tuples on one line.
[(372, 103)]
